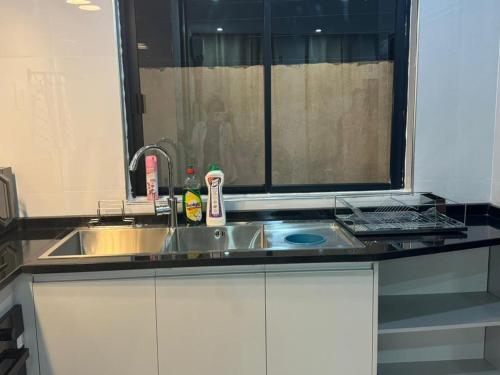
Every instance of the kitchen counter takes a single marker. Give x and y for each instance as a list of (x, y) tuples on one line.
[(20, 249)]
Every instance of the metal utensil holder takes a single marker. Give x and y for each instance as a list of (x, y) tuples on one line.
[(111, 208)]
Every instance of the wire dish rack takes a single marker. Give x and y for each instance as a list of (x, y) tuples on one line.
[(398, 213)]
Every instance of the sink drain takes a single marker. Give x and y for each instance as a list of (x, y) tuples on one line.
[(218, 234), (305, 239)]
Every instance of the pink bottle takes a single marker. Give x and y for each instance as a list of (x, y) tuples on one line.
[(152, 177)]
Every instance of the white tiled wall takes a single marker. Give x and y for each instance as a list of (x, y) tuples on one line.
[(495, 185), (456, 99), (60, 105)]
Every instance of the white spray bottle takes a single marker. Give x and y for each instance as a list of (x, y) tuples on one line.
[(216, 215)]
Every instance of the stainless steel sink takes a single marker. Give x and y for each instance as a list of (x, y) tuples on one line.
[(127, 241), (230, 237), (110, 241)]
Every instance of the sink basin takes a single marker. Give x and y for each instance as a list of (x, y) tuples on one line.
[(230, 237), (110, 241), (319, 235)]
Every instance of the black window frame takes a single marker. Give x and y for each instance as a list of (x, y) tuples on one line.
[(134, 107)]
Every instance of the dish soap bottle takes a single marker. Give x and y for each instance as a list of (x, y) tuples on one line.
[(216, 214), (191, 197)]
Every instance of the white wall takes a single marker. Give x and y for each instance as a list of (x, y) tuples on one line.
[(456, 97), (60, 106), (495, 185)]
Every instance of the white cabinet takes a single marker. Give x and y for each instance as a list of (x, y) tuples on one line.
[(211, 324), (96, 327), (320, 322), (316, 322)]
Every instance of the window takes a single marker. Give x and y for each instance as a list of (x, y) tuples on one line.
[(285, 95)]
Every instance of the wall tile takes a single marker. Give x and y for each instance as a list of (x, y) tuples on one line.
[(30, 145), (60, 97), (495, 187), (41, 204), (85, 202), (81, 33), (25, 29), (92, 126), (460, 190), (456, 97)]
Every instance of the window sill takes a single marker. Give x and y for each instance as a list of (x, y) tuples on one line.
[(260, 202)]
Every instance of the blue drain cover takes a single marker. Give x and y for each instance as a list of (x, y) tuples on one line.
[(305, 239)]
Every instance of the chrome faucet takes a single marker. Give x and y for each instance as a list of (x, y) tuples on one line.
[(171, 208)]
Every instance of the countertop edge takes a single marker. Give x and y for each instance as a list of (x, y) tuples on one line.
[(239, 261)]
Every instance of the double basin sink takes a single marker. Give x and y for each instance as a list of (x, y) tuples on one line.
[(134, 241)]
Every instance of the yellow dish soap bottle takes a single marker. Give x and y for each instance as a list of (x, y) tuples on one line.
[(191, 198)]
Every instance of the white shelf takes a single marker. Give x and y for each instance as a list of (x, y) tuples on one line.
[(461, 367), (431, 312)]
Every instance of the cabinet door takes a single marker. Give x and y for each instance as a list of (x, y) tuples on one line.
[(319, 322), (211, 325), (96, 327)]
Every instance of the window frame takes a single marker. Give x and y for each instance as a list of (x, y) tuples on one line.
[(134, 107)]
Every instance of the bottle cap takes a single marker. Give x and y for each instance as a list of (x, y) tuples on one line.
[(213, 167)]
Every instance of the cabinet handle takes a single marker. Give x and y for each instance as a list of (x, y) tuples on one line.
[(7, 334), (8, 201), (13, 360), (11, 324)]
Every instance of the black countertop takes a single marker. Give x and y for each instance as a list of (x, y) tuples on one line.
[(21, 247)]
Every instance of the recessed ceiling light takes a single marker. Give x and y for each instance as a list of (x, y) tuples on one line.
[(219, 29), (91, 7), (318, 30), (141, 45), (78, 2)]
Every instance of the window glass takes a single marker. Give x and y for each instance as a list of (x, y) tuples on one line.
[(201, 74), (332, 95)]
